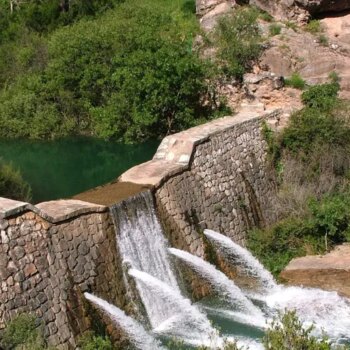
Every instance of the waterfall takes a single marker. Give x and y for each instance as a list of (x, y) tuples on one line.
[(222, 284), (137, 334), (252, 267), (143, 246)]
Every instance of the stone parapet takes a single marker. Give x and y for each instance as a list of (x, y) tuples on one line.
[(52, 211), (175, 153), (216, 176)]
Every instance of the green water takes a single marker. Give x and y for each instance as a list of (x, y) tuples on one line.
[(63, 168)]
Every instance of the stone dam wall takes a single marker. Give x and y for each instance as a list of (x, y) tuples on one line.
[(213, 176), (49, 256)]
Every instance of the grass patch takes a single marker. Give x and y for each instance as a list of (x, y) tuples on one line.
[(275, 29), (295, 81), (314, 26), (323, 40)]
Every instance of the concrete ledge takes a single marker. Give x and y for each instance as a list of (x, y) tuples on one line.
[(175, 152)]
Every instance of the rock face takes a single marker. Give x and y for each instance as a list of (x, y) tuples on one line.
[(329, 272), (300, 10), (297, 10), (302, 52), (210, 10)]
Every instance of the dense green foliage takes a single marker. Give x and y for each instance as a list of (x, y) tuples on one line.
[(90, 341), (287, 333), (128, 73), (238, 40), (23, 333), (327, 223), (312, 157), (12, 184)]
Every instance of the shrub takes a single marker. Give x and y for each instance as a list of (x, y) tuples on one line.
[(296, 81), (314, 26), (92, 342), (265, 16), (286, 332), (23, 331), (238, 41), (331, 217), (322, 97), (275, 29), (12, 184), (277, 245)]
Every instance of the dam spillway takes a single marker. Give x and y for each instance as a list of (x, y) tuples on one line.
[(215, 176)]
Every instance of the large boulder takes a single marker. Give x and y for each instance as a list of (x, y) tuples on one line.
[(330, 272)]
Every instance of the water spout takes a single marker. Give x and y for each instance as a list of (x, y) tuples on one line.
[(139, 337), (222, 284), (252, 267), (186, 322)]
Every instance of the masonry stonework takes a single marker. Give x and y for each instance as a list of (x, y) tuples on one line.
[(45, 267), (229, 188)]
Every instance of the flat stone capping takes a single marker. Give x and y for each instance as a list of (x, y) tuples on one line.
[(53, 211), (64, 209), (174, 153), (111, 193), (10, 207)]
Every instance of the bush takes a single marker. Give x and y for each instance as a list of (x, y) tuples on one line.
[(286, 332), (277, 245), (296, 81), (331, 217), (23, 332), (322, 97), (12, 184), (92, 342), (275, 29), (113, 76), (238, 41)]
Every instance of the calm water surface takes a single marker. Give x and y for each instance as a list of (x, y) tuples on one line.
[(63, 168)]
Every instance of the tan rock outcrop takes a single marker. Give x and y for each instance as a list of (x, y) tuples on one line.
[(330, 272)]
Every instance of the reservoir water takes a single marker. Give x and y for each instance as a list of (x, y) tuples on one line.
[(63, 168)]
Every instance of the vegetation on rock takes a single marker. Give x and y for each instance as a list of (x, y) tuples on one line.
[(238, 41), (12, 184), (312, 158)]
